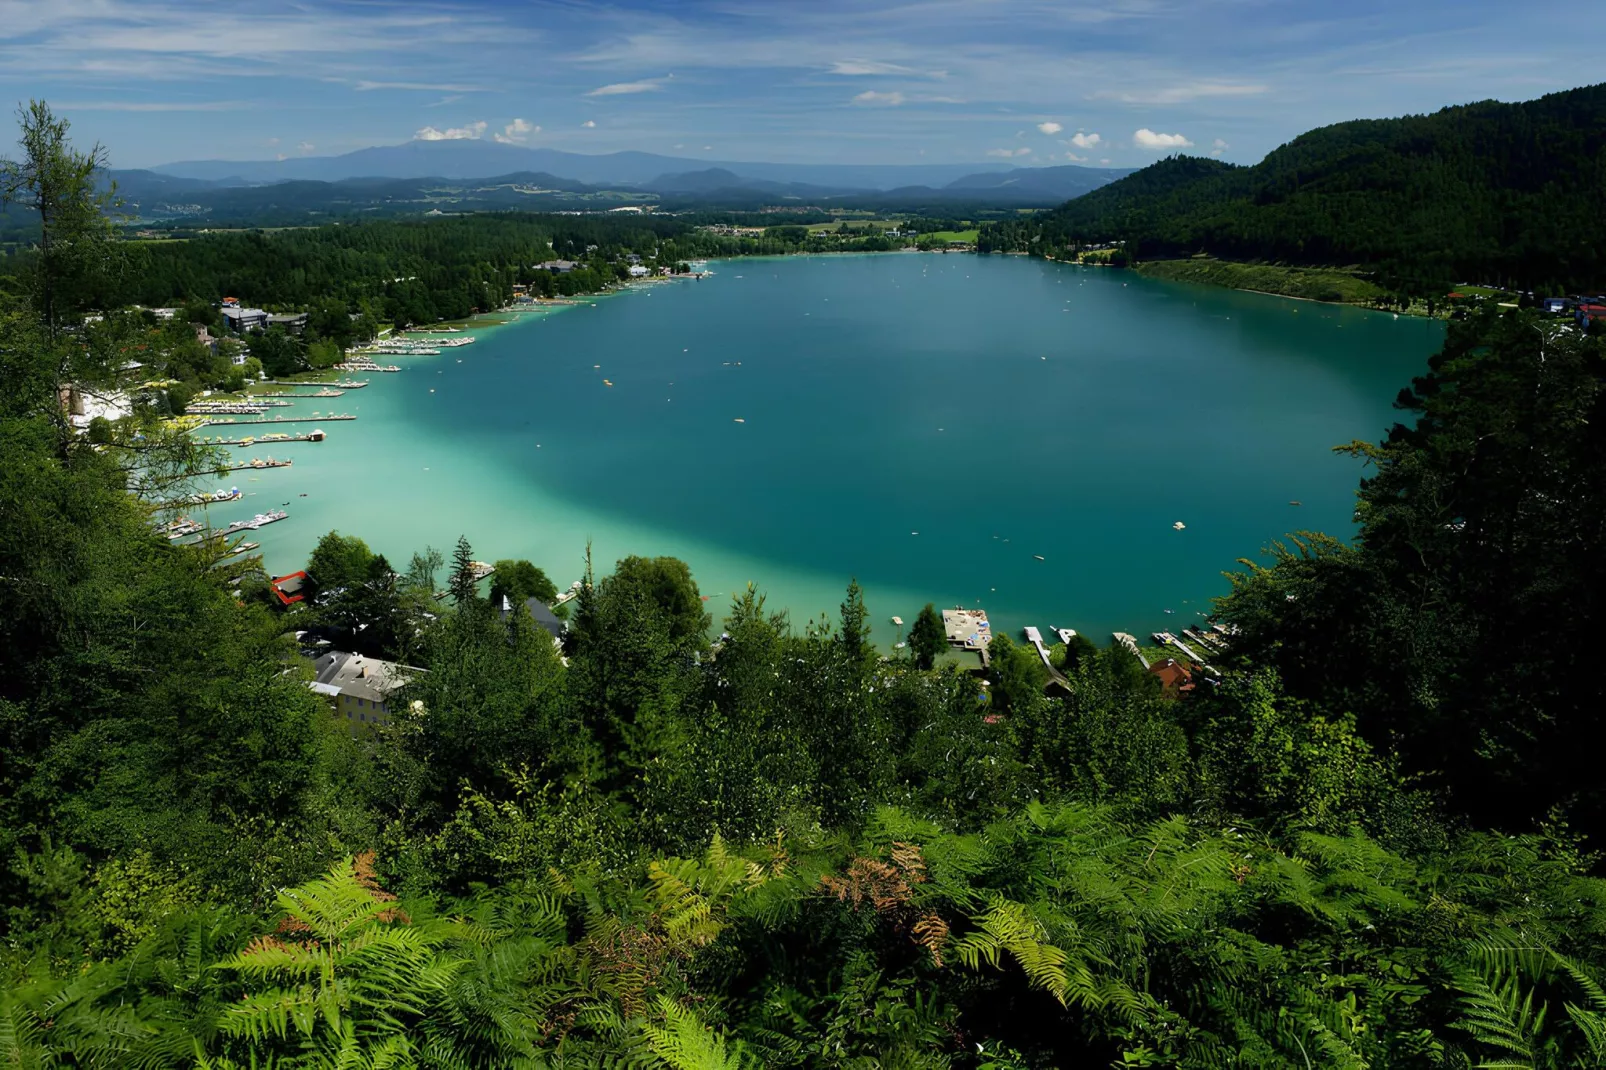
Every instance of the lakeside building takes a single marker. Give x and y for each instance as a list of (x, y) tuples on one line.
[(557, 267), (359, 687), (294, 322), (239, 320), (291, 588), (1173, 676), (544, 618), (639, 271)]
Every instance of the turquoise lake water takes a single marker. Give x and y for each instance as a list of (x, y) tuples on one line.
[(1000, 407)]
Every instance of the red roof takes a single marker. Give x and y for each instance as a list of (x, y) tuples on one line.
[(288, 587), (1174, 676)]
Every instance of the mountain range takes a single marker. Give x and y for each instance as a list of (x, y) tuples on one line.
[(454, 183), (473, 158)]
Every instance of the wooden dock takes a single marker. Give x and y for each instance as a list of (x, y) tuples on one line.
[(249, 467), (1035, 637), (1167, 639), (276, 420), (1131, 643), (310, 436)]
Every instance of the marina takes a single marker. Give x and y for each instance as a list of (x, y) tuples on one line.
[(258, 464), (278, 420), (310, 436), (256, 523)]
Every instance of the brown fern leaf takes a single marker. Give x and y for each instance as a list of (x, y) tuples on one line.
[(630, 962), (907, 857), (872, 879), (362, 867), (931, 932)]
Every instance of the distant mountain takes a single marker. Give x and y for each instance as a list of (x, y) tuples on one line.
[(1037, 183), (717, 183), (466, 158), (1503, 193), (302, 200)]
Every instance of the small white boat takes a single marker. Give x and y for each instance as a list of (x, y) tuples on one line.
[(1179, 525)]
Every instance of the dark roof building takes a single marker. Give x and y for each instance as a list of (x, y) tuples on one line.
[(544, 618)]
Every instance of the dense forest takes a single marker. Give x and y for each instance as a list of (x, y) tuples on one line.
[(424, 271), (1508, 194), (1373, 841)]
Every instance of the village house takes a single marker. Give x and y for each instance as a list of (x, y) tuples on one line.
[(359, 687)]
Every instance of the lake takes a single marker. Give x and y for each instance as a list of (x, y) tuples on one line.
[(930, 423)]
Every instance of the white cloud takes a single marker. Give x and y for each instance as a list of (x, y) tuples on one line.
[(456, 133), (1105, 160), (517, 132), (305, 147), (1148, 139), (1050, 128), (1181, 94), (889, 100), (1010, 153), (273, 141), (1074, 158), (646, 85), (431, 87), (856, 67), (1085, 141), (1219, 147), (589, 124)]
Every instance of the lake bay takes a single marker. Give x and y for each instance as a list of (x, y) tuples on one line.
[(1002, 408)]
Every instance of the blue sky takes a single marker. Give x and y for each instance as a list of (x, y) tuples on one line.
[(1029, 81)]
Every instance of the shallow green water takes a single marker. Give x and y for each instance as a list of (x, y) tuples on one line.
[(1000, 407)]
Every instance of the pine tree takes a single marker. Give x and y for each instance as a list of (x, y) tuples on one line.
[(463, 583), (855, 635), (928, 639)]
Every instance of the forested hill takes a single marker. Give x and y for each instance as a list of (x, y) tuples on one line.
[(1505, 193)]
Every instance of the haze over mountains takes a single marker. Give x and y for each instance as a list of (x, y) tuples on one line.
[(478, 159)]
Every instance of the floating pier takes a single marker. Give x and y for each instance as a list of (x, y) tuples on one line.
[(310, 436), (1035, 637), (277, 420), (255, 464), (261, 520)]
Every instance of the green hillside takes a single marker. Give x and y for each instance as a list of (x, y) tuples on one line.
[(1490, 192)]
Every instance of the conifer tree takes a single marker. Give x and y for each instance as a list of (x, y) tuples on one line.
[(928, 639), (463, 584)]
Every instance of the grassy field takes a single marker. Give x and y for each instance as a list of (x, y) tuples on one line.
[(1316, 284), (953, 235)]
